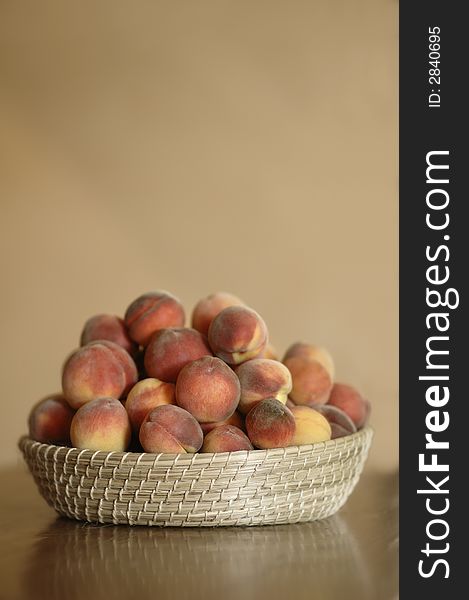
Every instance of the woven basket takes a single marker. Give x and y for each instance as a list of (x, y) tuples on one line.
[(257, 487)]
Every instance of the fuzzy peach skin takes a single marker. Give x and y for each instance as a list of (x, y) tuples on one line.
[(237, 334), (236, 419), (341, 424), (269, 352), (126, 361), (172, 349), (348, 399), (311, 426), (226, 438), (208, 308), (50, 419), (208, 389), (270, 424), (110, 328), (311, 352), (312, 382), (172, 430), (97, 370), (262, 378), (145, 396), (101, 424), (151, 312)]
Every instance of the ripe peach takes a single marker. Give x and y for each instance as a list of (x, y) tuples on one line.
[(312, 382), (348, 399), (226, 438), (269, 352), (311, 353), (311, 426), (236, 419), (341, 424), (172, 349), (126, 361), (146, 395), (237, 334), (110, 328), (101, 424), (99, 369), (151, 312), (289, 403), (262, 378), (208, 389), (270, 424), (171, 429), (208, 308), (50, 419)]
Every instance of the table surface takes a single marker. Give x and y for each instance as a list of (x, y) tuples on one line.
[(352, 554)]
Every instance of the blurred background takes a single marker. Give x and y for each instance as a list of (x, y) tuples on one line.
[(246, 146)]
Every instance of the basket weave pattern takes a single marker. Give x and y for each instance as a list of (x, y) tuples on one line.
[(259, 487)]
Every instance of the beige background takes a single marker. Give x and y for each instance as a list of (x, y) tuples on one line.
[(194, 146)]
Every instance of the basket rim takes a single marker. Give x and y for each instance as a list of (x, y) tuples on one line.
[(348, 440)]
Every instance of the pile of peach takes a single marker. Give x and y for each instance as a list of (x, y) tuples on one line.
[(148, 383)]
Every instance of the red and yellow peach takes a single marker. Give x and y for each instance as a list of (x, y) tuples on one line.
[(172, 349), (311, 352), (170, 429), (208, 308), (270, 424), (348, 399), (50, 419), (311, 426), (311, 381), (146, 395), (151, 312), (262, 378), (101, 424), (208, 389), (110, 328), (226, 438), (236, 419), (237, 334), (99, 369), (341, 424)]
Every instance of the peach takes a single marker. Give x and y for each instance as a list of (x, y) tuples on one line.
[(348, 399), (311, 426), (99, 369), (311, 353), (126, 361), (262, 378), (226, 438), (110, 328), (289, 403), (237, 334), (208, 308), (146, 395), (101, 424), (171, 429), (341, 424), (270, 424), (50, 419), (269, 352), (208, 389), (151, 312), (172, 349), (312, 382), (236, 419)]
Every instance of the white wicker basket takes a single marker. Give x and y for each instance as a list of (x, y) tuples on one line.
[(257, 487)]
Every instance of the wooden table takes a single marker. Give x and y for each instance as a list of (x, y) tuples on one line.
[(350, 555)]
